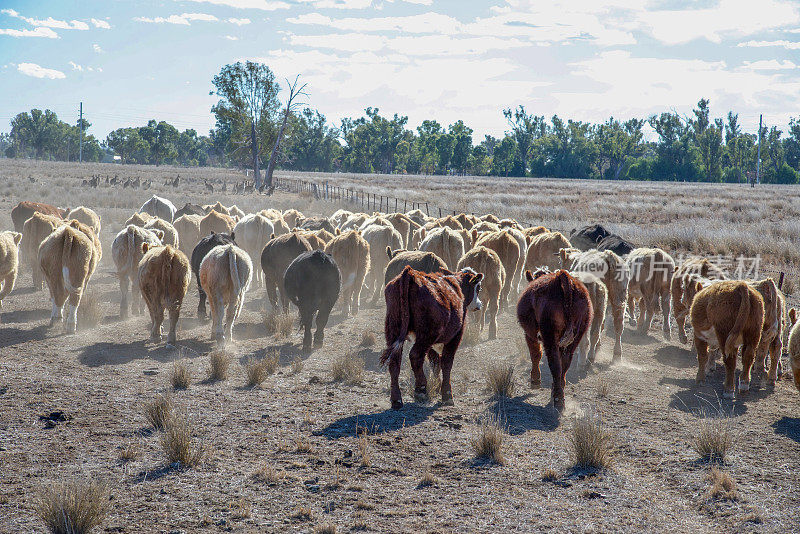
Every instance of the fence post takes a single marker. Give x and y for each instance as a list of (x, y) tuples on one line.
[(405, 205), (428, 213), (395, 204), (440, 212), (780, 280)]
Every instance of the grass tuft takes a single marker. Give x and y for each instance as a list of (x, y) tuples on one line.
[(722, 486), (427, 480), (257, 371), (297, 365), (179, 445), (500, 380), (591, 443), (364, 450), (488, 444), (268, 474), (219, 363), (550, 475), (74, 507), (158, 412), (368, 338), (180, 376), (713, 439), (279, 323), (325, 528), (129, 452), (348, 368)]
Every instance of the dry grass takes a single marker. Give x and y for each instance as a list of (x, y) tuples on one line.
[(368, 338), (219, 363), (73, 507), (257, 371), (722, 487), (240, 509), (602, 387), (180, 446), (488, 444), (591, 443), (302, 513), (472, 333), (500, 380), (713, 438), (279, 323), (325, 528), (302, 445), (90, 314), (159, 411), (550, 475), (268, 474), (364, 451), (348, 368), (129, 453), (180, 376), (427, 480), (297, 365)]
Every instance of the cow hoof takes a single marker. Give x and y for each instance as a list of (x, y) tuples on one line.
[(558, 404), (170, 346), (397, 405), (156, 338), (307, 349), (536, 384), (421, 397), (447, 400), (744, 388)]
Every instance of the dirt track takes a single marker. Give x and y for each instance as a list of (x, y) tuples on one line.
[(101, 378)]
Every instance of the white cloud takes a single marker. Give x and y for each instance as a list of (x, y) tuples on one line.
[(96, 48), (769, 64), (75, 66), (789, 45), (37, 71), (424, 23), (36, 32), (49, 22), (340, 4), (231, 38), (184, 19), (264, 5), (102, 24), (425, 45), (239, 22)]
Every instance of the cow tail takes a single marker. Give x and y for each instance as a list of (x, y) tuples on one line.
[(741, 317), (567, 295), (66, 252), (234, 270), (166, 270), (131, 247), (396, 317)]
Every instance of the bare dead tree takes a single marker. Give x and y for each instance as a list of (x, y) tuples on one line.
[(291, 106)]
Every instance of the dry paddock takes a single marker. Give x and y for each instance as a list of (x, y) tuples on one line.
[(304, 426)]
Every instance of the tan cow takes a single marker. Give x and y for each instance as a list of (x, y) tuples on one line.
[(252, 233), (88, 232), (451, 222), (350, 251), (727, 315), (164, 277), (235, 212), (611, 269), (293, 217), (171, 236), (339, 216), (34, 231), (67, 258), (9, 262), (218, 207), (598, 294), (87, 216), (650, 271), (485, 226), (445, 243), (794, 347), (219, 223), (379, 237), (126, 251), (534, 231), (507, 248), (681, 280), (225, 274), (276, 217), (138, 219), (188, 228), (467, 221), (543, 251), (771, 343), (486, 261), (402, 224)]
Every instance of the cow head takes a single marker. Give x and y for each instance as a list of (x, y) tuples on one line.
[(792, 316), (471, 288), (566, 255)]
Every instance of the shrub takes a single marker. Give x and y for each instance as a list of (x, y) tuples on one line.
[(591, 443), (713, 438), (73, 507), (500, 380), (159, 411), (179, 445), (488, 444), (348, 368), (219, 363), (181, 376), (279, 323), (722, 486)]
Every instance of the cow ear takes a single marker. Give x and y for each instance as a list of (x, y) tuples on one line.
[(474, 235), (338, 232), (792, 315), (17, 238), (389, 251), (145, 246), (476, 278), (422, 233), (528, 275)]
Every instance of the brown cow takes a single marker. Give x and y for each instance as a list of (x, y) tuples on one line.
[(598, 293), (188, 228), (25, 210), (650, 271), (486, 261), (350, 251), (555, 307), (87, 216), (278, 253), (727, 315), (34, 231), (126, 251), (429, 309), (426, 262), (9, 262), (794, 347), (684, 274), (543, 251), (219, 223), (171, 236), (534, 231), (379, 238), (771, 343), (164, 277), (225, 274), (507, 248), (138, 219), (313, 239), (67, 258)]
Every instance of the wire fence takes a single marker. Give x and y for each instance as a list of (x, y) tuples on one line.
[(366, 201)]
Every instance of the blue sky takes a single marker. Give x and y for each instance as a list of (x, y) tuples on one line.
[(442, 59)]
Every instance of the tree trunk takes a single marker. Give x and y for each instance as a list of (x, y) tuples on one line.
[(275, 148), (254, 143)]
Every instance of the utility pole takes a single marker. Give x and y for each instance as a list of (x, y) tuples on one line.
[(758, 159), (80, 123)]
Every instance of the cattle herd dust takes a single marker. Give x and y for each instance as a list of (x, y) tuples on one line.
[(321, 369)]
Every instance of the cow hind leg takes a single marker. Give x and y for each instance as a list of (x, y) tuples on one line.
[(73, 301), (730, 374), (306, 318), (665, 312), (448, 355), (631, 310), (774, 358), (394, 373), (558, 372), (230, 317), (748, 356), (617, 313), (217, 313), (124, 286), (702, 359), (493, 310), (174, 315), (322, 320), (535, 351), (201, 305), (417, 357)]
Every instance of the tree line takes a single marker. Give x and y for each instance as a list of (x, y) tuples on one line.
[(254, 129)]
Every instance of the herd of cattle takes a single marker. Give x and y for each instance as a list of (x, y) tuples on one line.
[(431, 271)]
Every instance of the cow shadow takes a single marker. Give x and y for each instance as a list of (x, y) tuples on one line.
[(518, 416), (675, 356), (15, 336), (105, 353), (24, 316), (245, 331), (410, 415), (372, 360), (701, 399), (287, 352), (789, 427), (633, 336)]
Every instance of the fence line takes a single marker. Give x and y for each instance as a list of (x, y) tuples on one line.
[(366, 201)]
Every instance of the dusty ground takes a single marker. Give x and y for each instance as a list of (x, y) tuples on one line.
[(101, 379)]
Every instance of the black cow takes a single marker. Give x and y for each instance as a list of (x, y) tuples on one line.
[(588, 237), (318, 223), (313, 282), (616, 244), (190, 209), (198, 253)]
